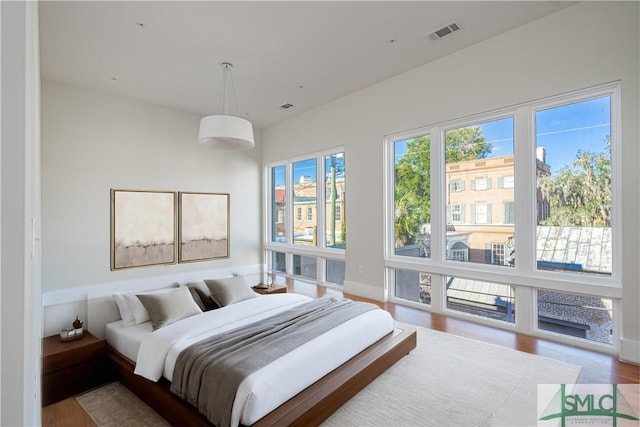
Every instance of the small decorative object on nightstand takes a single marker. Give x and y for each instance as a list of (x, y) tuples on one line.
[(69, 368), (271, 289)]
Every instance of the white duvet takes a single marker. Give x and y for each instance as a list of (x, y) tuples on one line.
[(269, 387)]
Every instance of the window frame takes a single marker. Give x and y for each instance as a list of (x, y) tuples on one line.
[(524, 275), (289, 248)]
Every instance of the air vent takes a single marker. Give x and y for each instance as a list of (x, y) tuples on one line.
[(286, 106), (444, 31)]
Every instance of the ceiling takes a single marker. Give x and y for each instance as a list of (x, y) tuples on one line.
[(304, 53)]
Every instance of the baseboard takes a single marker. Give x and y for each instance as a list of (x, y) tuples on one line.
[(629, 351), (364, 290)]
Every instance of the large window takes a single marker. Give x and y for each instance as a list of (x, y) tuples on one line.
[(574, 142), (278, 205), (412, 196), (310, 242), (305, 198), (483, 155), (520, 200)]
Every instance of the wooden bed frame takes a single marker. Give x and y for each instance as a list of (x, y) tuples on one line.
[(310, 407)]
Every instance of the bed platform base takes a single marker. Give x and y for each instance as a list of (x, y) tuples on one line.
[(310, 407)]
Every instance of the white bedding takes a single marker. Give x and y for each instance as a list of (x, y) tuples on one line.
[(264, 390)]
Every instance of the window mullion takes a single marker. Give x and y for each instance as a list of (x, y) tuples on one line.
[(438, 203), (525, 194)]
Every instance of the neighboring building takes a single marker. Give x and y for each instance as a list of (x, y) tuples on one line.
[(480, 203), (305, 211)]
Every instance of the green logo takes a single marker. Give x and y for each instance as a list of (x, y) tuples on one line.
[(594, 402)]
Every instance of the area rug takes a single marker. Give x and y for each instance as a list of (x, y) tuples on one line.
[(453, 381), (113, 405), (446, 381)]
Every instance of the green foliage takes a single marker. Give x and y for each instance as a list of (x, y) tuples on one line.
[(580, 195), (413, 180)]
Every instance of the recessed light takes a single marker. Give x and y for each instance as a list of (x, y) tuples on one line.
[(286, 106), (141, 25), (113, 78), (300, 86), (391, 41)]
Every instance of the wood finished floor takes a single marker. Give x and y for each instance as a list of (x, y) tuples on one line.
[(596, 367)]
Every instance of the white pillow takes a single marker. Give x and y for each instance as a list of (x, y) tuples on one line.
[(169, 307), (131, 309), (229, 290)]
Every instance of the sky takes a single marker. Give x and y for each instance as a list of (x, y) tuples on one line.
[(562, 131), (307, 168)]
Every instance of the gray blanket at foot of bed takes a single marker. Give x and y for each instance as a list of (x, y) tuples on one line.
[(208, 373)]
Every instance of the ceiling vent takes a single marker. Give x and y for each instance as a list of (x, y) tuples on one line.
[(286, 106), (442, 32)]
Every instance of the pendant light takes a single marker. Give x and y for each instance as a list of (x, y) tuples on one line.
[(224, 131)]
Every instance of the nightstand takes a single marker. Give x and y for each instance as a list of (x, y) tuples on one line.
[(274, 289), (71, 367)]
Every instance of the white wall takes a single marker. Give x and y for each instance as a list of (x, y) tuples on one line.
[(92, 142), (581, 46), (20, 285)]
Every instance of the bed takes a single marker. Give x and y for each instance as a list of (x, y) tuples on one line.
[(301, 387)]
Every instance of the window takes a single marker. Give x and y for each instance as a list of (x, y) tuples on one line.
[(413, 286), (581, 316), (481, 153), (505, 182), (574, 141), (335, 271), (305, 197), (457, 186), (481, 184), (412, 196), (557, 186), (311, 239), (305, 266), (481, 213), (278, 204), (479, 298), (457, 214), (335, 174)]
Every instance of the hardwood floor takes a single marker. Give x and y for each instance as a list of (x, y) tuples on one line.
[(596, 367)]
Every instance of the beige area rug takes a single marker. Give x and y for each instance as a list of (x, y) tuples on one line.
[(446, 381), (113, 405), (453, 381)]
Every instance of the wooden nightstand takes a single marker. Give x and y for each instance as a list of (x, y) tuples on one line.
[(71, 367), (274, 289)]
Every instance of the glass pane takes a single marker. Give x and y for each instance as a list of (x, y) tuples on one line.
[(305, 266), (278, 204), (574, 187), (581, 316), (279, 262), (335, 181), (485, 299), (335, 271), (480, 193), (412, 197), (413, 286), (304, 200)]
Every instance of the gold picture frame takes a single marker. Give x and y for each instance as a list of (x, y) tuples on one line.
[(203, 226), (143, 228)]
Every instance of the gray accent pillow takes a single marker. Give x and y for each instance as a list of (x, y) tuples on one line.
[(229, 290), (167, 308)]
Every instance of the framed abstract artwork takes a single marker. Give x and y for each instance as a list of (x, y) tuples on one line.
[(203, 230), (143, 228)]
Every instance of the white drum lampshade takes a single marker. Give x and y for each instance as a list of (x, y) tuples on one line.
[(226, 132)]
